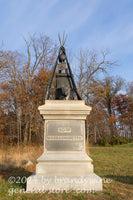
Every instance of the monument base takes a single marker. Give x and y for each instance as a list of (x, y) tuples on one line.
[(64, 165), (64, 172), (41, 183)]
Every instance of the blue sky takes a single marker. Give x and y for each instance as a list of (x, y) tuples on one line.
[(92, 24)]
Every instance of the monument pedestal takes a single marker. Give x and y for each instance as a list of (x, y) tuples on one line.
[(64, 165)]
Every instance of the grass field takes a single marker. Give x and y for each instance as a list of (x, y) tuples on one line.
[(113, 164)]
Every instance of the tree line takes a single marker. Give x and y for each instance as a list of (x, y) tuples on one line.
[(23, 82)]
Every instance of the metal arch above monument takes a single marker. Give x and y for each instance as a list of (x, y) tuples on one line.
[(65, 84)]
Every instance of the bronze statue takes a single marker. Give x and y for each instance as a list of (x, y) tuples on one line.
[(65, 85)]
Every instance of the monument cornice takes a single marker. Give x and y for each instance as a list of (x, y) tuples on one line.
[(70, 109)]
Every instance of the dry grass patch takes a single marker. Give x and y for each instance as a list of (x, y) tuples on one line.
[(14, 156)]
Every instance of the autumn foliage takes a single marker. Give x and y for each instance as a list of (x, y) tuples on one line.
[(23, 82), (24, 79)]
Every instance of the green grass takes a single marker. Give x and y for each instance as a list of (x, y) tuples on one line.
[(113, 164), (126, 145)]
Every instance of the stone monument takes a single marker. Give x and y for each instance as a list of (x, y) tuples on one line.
[(64, 165)]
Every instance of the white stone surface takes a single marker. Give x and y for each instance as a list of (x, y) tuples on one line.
[(64, 164), (64, 169), (64, 109), (89, 183), (28, 163)]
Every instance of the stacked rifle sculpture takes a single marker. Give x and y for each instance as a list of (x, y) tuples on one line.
[(65, 85)]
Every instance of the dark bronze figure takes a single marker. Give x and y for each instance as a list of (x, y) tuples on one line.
[(65, 85)]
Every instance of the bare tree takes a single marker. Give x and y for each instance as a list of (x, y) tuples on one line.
[(39, 51), (19, 72), (90, 63)]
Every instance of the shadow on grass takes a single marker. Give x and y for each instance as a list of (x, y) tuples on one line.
[(122, 179), (16, 176)]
